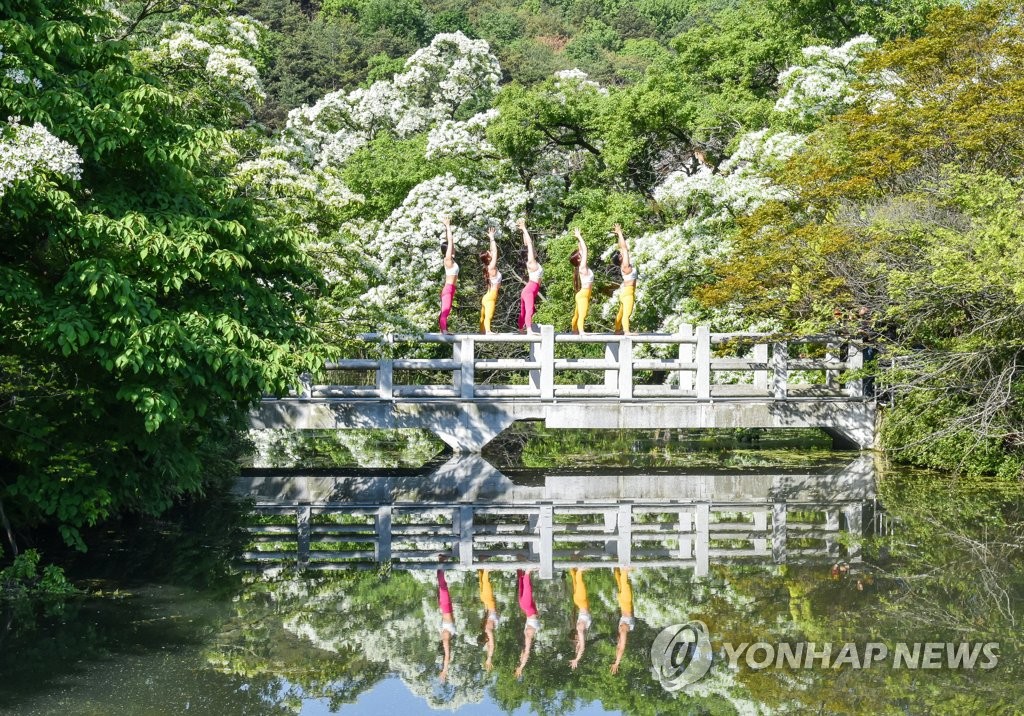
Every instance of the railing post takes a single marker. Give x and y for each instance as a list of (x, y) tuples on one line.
[(383, 544), (465, 536), (303, 531), (702, 539), (385, 379), (611, 354), (684, 534), (761, 374), (761, 525), (855, 526), (467, 374), (686, 356), (832, 529), (306, 383), (457, 373), (703, 363), (855, 361), (547, 362), (779, 533), (546, 527), (832, 353), (625, 368), (624, 551), (780, 376)]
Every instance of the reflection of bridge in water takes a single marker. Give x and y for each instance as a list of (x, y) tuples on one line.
[(476, 517)]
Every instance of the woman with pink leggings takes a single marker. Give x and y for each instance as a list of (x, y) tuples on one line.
[(444, 603), (534, 271), (451, 274), (524, 589)]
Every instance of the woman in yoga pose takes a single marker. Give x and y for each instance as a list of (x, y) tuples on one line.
[(492, 277), (524, 589), (444, 603), (627, 621), (582, 281), (533, 271), (583, 618), (451, 274), (491, 618), (627, 294)]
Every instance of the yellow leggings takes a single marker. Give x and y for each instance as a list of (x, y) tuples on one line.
[(579, 590), (579, 314), (486, 592), (487, 304), (627, 299), (625, 591)]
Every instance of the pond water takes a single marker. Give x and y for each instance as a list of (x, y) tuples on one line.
[(318, 590)]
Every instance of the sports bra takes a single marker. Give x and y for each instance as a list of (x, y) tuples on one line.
[(453, 271), (493, 616), (586, 281), (586, 619), (535, 275), (533, 622), (631, 276), (448, 627), (628, 621), (496, 280)]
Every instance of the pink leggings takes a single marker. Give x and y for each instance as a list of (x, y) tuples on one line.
[(528, 298), (525, 591), (444, 600), (447, 296)]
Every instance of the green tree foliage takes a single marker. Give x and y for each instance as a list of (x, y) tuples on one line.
[(907, 210), (146, 305)]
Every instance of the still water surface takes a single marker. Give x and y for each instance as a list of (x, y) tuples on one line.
[(212, 616)]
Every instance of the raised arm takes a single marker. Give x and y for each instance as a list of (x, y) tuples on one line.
[(531, 257), (620, 647), (627, 265), (525, 656), (580, 646), (446, 644), (449, 254), (493, 265), (582, 246)]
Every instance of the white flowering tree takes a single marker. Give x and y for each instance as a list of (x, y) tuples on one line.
[(823, 83)]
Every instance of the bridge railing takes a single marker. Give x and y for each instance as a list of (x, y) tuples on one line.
[(691, 370), (552, 536)]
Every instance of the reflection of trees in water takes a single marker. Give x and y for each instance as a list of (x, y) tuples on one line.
[(338, 635)]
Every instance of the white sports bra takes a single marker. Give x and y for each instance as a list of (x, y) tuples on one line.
[(586, 619), (533, 622), (587, 280), (631, 276), (628, 621), (453, 271), (496, 280), (448, 627), (493, 616), (535, 275)]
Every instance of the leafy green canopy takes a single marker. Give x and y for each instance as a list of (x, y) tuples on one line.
[(144, 306)]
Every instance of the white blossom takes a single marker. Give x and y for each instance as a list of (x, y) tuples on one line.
[(823, 83), (451, 138), (27, 151)]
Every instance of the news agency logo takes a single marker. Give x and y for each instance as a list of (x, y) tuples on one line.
[(681, 655)]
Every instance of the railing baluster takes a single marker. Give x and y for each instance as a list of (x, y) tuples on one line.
[(467, 374), (625, 368), (703, 363), (385, 379), (547, 362), (761, 374), (855, 361), (780, 377), (686, 355), (702, 538)]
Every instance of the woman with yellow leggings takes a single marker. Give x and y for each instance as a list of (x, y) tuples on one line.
[(627, 294), (627, 621), (583, 618), (492, 276), (491, 619), (582, 281)]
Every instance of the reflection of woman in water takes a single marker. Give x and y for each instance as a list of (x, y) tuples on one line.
[(583, 618), (524, 589), (490, 615), (444, 602), (627, 620)]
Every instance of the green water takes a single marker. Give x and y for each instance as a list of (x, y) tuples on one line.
[(173, 626)]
